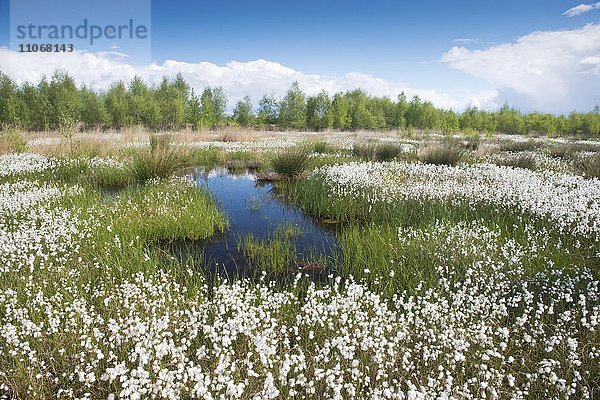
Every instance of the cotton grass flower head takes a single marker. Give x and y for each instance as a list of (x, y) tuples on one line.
[(89, 329), (571, 202), (24, 163)]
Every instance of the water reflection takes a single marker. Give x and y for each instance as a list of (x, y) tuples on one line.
[(252, 207)]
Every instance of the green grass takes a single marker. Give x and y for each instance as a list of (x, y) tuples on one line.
[(274, 255), (166, 211), (379, 151), (291, 163), (319, 147), (161, 160), (369, 236), (206, 157), (107, 176)]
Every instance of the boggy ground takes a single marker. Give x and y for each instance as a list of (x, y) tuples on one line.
[(468, 269)]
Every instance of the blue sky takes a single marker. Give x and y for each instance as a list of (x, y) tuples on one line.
[(400, 42), (387, 38)]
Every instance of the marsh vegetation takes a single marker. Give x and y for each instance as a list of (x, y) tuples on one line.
[(376, 266)]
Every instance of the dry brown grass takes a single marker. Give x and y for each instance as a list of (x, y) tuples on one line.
[(441, 153), (486, 149), (229, 134), (569, 150), (12, 141)]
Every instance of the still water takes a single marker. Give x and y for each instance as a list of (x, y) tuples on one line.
[(252, 207)]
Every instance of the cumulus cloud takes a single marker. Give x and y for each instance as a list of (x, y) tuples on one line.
[(254, 78), (580, 9), (555, 71)]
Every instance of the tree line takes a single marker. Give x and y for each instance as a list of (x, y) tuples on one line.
[(57, 102)]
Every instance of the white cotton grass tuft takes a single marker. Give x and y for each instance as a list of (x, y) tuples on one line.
[(69, 329), (571, 202)]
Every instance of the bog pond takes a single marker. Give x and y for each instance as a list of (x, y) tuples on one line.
[(260, 222)]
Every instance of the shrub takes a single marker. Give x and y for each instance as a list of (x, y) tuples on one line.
[(440, 153), (291, 163), (237, 165), (11, 141), (161, 160), (229, 136), (471, 142)]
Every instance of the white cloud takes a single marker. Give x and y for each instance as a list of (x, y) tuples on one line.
[(555, 71), (466, 41), (471, 41), (238, 79), (580, 9)]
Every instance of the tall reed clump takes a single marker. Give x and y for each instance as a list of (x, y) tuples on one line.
[(378, 152), (320, 146), (588, 163), (291, 163), (11, 141), (441, 153), (525, 160), (161, 160)]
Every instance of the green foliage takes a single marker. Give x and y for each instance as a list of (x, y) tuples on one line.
[(118, 106), (242, 113), (12, 107), (268, 110), (174, 105), (340, 112), (160, 161), (93, 110), (145, 107), (292, 111), (291, 163), (213, 103), (317, 111)]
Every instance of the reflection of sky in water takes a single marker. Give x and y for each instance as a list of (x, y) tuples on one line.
[(252, 207)]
